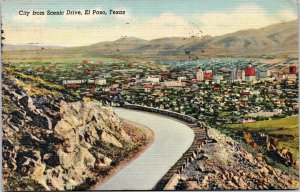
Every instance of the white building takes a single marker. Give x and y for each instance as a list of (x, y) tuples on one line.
[(72, 81), (233, 74), (250, 78), (241, 75), (217, 78), (152, 78), (199, 75), (263, 73), (100, 81), (237, 75), (181, 79), (174, 84), (90, 81)]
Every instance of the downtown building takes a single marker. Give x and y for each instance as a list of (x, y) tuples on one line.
[(237, 75), (263, 74), (249, 73), (199, 75)]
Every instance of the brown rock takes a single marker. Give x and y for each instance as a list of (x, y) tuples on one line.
[(107, 138), (259, 157), (242, 183), (192, 185), (172, 182), (235, 179), (264, 171)]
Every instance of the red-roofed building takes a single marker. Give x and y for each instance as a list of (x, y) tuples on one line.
[(87, 72), (208, 76), (293, 69), (249, 71)]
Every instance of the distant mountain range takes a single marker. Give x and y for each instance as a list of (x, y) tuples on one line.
[(8, 47), (277, 38)]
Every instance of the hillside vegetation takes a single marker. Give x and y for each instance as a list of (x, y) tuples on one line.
[(285, 129)]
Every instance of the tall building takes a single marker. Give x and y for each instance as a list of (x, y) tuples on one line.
[(241, 75), (263, 73), (237, 75), (249, 73), (199, 75), (217, 78), (234, 74), (293, 69), (208, 75), (152, 78), (181, 78)]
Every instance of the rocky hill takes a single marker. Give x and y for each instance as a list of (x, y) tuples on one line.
[(224, 164), (51, 141), (278, 39)]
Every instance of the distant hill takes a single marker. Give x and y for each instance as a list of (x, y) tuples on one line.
[(9, 47), (276, 38), (279, 38)]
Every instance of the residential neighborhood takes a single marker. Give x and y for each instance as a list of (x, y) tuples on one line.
[(213, 90)]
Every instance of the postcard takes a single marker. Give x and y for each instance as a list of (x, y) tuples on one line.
[(150, 95)]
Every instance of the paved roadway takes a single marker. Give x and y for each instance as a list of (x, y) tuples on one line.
[(172, 139)]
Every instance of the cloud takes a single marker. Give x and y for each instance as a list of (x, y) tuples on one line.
[(165, 25), (168, 19), (241, 18), (287, 15)]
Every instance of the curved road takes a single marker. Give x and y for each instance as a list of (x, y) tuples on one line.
[(171, 140)]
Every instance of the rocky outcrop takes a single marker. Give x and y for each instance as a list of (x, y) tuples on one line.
[(269, 143), (249, 140), (55, 145), (228, 166)]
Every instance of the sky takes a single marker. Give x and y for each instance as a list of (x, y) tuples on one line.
[(142, 19)]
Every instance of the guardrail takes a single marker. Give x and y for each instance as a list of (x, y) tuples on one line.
[(176, 115), (200, 131)]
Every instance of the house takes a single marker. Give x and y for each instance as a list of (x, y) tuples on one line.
[(148, 88), (246, 121), (100, 81)]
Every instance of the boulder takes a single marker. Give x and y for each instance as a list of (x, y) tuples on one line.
[(107, 138), (259, 157), (249, 140), (242, 183), (192, 185), (250, 158), (172, 182), (103, 160), (264, 171), (235, 179)]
